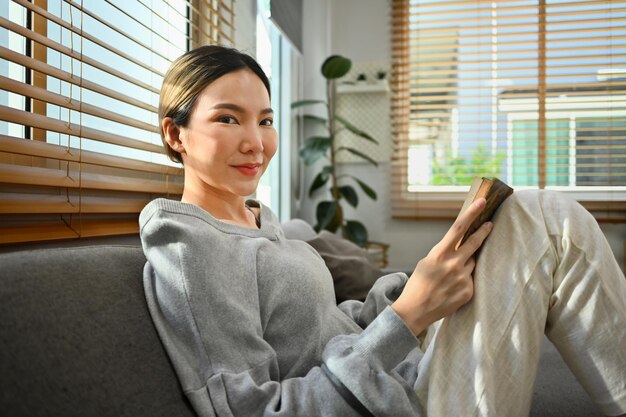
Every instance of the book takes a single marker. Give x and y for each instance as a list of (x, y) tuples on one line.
[(494, 191)]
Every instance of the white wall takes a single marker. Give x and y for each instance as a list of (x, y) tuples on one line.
[(359, 29), (245, 26), (315, 48), (354, 30)]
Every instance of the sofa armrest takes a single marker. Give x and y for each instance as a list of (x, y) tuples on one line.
[(77, 338)]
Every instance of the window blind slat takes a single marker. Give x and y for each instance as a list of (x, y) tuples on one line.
[(61, 204), (423, 48), (414, 34), (42, 122), (73, 228), (503, 12), (28, 175), (63, 153)]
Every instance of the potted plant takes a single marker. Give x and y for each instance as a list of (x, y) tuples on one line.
[(329, 212)]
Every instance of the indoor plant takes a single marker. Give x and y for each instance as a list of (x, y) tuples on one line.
[(329, 212)]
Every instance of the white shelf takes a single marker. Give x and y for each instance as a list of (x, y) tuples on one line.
[(378, 87)]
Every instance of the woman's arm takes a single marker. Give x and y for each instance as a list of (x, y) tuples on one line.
[(383, 293)]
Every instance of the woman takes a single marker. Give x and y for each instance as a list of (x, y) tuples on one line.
[(249, 318)]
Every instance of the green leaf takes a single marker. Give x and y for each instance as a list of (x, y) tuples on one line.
[(329, 216), (337, 220), (350, 195), (358, 153), (324, 213), (366, 189), (315, 119), (335, 66), (355, 129), (319, 181), (314, 148), (356, 232), (309, 102)]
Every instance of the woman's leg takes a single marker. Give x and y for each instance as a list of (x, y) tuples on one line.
[(546, 267)]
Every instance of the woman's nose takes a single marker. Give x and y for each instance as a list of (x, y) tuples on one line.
[(252, 140)]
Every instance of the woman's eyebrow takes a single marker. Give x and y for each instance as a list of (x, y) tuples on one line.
[(239, 109)]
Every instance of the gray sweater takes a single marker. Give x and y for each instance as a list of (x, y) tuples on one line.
[(250, 322)]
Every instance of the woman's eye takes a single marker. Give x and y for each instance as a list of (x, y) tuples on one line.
[(227, 119), (267, 122)]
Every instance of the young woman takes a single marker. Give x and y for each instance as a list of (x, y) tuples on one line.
[(249, 318)]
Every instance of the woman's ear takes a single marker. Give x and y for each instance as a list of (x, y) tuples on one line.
[(172, 134)]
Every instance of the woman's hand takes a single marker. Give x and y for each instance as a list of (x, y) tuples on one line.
[(442, 282)]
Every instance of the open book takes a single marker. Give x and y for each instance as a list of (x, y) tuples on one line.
[(494, 191)]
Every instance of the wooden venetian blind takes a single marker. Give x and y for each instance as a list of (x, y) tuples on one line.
[(533, 92), (80, 151)]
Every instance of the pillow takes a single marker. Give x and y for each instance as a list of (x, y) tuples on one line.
[(298, 229), (352, 273)]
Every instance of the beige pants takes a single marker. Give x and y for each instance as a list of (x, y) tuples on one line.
[(545, 268)]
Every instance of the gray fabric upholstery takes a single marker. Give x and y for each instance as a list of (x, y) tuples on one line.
[(298, 229), (76, 339), (557, 393)]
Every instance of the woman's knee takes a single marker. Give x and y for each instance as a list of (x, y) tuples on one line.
[(543, 203), (548, 212)]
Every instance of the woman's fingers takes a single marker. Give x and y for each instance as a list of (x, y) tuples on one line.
[(462, 223), (469, 265), (475, 241)]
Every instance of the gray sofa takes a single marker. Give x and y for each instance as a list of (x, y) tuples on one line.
[(76, 339)]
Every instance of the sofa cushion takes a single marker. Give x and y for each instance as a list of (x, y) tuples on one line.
[(298, 229), (353, 274), (76, 337)]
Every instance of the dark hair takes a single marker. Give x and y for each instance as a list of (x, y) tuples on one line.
[(190, 74)]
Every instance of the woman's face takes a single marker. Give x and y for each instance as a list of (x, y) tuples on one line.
[(230, 138)]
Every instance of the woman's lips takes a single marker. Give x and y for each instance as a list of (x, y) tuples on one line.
[(249, 169)]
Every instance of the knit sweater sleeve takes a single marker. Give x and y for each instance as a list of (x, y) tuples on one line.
[(214, 337), (383, 293)]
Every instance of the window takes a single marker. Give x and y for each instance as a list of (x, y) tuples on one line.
[(278, 58), (80, 150), (531, 91)]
